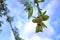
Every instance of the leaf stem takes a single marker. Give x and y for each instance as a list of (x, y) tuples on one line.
[(38, 8)]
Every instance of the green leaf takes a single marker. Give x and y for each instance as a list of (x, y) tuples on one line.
[(26, 3), (34, 17), (39, 29), (31, 3), (44, 12), (30, 13), (38, 14), (44, 25), (27, 7), (45, 17), (41, 0)]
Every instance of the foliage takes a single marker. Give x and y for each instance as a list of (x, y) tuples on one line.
[(3, 12), (41, 15), (29, 8)]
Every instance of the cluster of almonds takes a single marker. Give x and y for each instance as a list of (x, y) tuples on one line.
[(39, 20)]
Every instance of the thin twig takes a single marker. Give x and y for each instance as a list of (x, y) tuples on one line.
[(12, 30), (38, 8)]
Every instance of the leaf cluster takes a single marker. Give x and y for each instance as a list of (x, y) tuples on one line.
[(41, 15)]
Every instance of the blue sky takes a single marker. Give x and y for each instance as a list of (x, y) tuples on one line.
[(26, 27)]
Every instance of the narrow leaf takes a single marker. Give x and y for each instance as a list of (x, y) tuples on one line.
[(27, 7), (45, 17), (31, 3), (30, 13), (44, 12), (44, 25), (41, 0), (34, 17), (26, 3)]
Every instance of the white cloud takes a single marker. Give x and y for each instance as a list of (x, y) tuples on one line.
[(29, 26), (47, 38), (35, 38), (51, 7), (39, 38), (28, 29), (49, 31), (29, 32), (19, 25), (12, 36)]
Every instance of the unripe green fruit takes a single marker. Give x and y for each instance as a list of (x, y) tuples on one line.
[(39, 29), (39, 24), (45, 17), (34, 20), (39, 19)]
